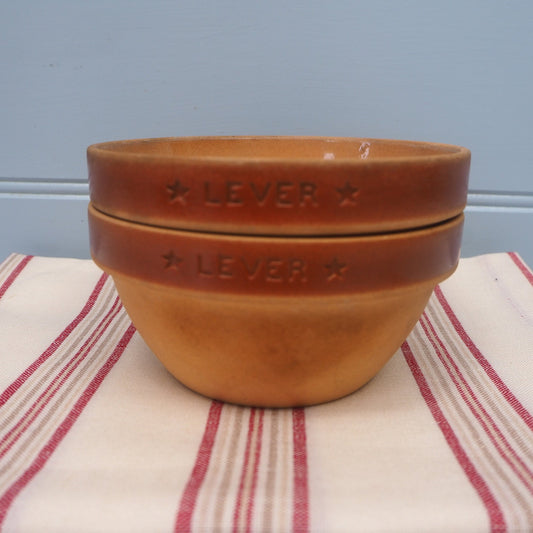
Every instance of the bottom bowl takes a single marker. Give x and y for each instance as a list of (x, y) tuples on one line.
[(273, 322)]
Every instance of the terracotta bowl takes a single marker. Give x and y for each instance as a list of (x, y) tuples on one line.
[(279, 185), (273, 321)]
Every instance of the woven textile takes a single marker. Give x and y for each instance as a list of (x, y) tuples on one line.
[(95, 435)]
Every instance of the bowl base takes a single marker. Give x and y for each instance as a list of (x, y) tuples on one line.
[(272, 351)]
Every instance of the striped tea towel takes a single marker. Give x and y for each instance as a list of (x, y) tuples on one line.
[(95, 435)]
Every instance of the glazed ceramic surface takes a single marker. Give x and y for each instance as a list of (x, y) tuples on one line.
[(274, 265), (279, 185)]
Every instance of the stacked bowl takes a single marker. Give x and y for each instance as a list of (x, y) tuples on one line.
[(276, 271)]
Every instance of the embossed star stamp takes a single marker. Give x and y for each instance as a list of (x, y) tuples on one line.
[(177, 192), (172, 260), (347, 194), (335, 270)]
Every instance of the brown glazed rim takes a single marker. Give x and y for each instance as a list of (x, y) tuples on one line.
[(279, 185), (274, 266)]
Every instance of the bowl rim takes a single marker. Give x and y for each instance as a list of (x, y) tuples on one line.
[(303, 238), (118, 149), (274, 266)]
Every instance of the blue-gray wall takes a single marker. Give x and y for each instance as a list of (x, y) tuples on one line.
[(75, 72)]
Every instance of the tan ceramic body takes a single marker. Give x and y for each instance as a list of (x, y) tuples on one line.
[(273, 321), (272, 351)]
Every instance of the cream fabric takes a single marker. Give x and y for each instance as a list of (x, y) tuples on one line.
[(96, 436)]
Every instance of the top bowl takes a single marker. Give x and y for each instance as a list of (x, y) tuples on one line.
[(279, 185)]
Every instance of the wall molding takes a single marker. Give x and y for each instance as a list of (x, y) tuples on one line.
[(49, 217), (79, 189), (43, 188), (498, 200)]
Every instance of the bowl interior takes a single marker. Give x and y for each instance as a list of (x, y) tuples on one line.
[(279, 148)]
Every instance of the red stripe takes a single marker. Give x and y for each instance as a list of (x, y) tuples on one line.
[(255, 473), (59, 380), (14, 274), (522, 266), (497, 521), (247, 452), (474, 350), (46, 452), (300, 517), (11, 389), (190, 494), (475, 405)]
